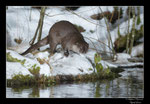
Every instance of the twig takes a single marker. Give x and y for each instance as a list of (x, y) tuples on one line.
[(92, 43), (102, 43), (133, 30), (41, 22), (83, 18), (127, 44), (109, 35)]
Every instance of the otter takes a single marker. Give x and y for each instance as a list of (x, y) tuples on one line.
[(65, 34)]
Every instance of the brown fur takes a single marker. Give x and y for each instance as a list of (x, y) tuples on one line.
[(66, 34)]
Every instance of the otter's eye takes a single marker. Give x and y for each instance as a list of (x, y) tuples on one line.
[(81, 49)]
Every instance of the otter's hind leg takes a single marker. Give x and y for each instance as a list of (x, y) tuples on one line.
[(65, 49), (52, 48)]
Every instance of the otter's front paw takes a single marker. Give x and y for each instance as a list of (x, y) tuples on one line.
[(66, 53)]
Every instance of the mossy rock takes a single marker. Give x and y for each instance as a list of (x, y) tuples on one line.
[(110, 16)]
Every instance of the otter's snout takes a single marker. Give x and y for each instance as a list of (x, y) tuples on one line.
[(84, 48)]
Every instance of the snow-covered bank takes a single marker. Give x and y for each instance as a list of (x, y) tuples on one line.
[(74, 64)]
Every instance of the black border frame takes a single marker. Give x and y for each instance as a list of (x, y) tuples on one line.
[(56, 3)]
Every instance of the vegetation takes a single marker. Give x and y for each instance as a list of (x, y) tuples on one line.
[(133, 31), (12, 59), (124, 42), (109, 37), (100, 73), (41, 61), (40, 26), (127, 40), (92, 31), (131, 38), (80, 28), (34, 70), (49, 80)]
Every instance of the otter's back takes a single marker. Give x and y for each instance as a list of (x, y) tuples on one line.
[(63, 28)]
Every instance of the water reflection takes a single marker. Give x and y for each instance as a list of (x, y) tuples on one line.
[(131, 84)]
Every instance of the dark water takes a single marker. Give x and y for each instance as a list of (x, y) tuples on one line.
[(130, 84)]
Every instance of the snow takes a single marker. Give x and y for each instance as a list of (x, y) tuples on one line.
[(122, 58), (70, 65), (22, 22), (138, 50), (14, 69)]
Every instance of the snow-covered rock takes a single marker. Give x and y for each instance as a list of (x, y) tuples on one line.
[(122, 58), (138, 50)]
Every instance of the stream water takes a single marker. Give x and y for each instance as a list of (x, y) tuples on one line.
[(130, 84)]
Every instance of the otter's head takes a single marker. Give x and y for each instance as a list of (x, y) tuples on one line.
[(80, 47)]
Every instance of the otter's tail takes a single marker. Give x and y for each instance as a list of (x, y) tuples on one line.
[(36, 45)]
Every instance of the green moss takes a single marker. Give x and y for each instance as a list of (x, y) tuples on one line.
[(23, 61), (12, 59), (79, 28), (138, 20), (90, 69), (53, 80), (20, 79), (91, 31), (107, 70)]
